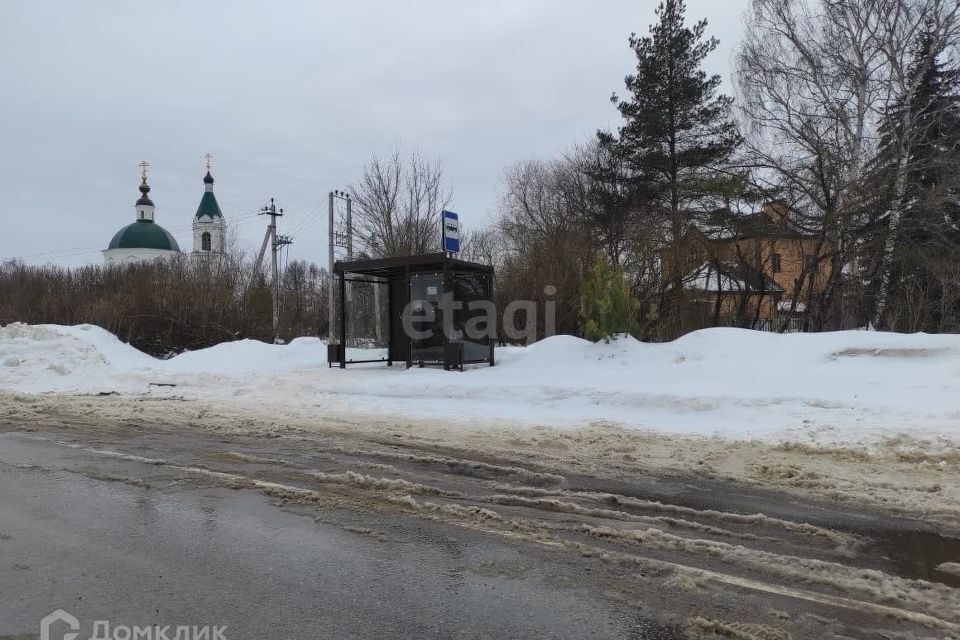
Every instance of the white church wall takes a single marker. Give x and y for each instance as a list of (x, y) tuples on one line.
[(215, 228), (129, 256), (144, 212)]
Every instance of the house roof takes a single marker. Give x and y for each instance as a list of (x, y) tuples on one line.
[(724, 224), (728, 278), (394, 267), (784, 307)]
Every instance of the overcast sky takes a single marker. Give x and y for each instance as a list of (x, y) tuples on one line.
[(291, 98)]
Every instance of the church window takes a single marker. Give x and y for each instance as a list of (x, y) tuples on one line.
[(205, 241)]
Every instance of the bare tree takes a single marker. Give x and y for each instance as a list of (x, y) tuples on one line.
[(398, 205), (164, 306), (816, 78), (483, 245), (545, 245)]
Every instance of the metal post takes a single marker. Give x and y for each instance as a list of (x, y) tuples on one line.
[(331, 297), (338, 240), (406, 303), (343, 322), (491, 321), (349, 241), (349, 226), (445, 340), (390, 348), (376, 313)]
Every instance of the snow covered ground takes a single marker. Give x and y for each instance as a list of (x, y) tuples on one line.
[(847, 387)]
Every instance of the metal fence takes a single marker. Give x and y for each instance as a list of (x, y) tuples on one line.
[(794, 325)]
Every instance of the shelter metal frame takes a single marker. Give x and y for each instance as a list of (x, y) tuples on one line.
[(398, 275)]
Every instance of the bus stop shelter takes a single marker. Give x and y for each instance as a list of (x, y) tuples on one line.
[(414, 285)]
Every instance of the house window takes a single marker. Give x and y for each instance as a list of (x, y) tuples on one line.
[(205, 241), (775, 262), (810, 263)]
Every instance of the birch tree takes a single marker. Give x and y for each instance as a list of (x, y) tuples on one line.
[(905, 23)]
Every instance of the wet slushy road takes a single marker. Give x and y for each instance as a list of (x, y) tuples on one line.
[(323, 537), (79, 534)]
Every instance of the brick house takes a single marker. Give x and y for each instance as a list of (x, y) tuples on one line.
[(745, 270)]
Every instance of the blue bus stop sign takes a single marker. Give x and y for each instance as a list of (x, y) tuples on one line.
[(451, 232)]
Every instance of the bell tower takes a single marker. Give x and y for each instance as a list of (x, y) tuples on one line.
[(209, 227)]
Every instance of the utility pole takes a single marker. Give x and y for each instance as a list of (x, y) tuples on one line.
[(349, 227), (331, 281), (276, 243), (343, 239)]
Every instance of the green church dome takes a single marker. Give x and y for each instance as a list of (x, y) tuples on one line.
[(144, 234)]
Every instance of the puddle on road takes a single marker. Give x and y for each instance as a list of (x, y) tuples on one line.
[(918, 553)]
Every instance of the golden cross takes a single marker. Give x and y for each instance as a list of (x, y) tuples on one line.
[(208, 158), (143, 169)]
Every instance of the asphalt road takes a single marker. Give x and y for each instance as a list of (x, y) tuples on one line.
[(77, 533), (313, 535)]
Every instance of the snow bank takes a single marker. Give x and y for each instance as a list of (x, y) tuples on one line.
[(838, 387), (44, 358), (250, 357), (38, 358)]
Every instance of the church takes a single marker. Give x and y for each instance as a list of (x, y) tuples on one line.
[(144, 239)]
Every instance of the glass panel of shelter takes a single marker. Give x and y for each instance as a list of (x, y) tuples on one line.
[(427, 345), (470, 288)]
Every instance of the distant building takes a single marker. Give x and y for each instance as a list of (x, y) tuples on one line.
[(756, 270), (209, 228), (145, 240)]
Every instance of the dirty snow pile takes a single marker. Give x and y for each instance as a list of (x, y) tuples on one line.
[(831, 387)]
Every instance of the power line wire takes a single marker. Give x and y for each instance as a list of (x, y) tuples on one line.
[(306, 222), (64, 252)]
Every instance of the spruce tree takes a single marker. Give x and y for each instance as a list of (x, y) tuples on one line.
[(933, 142), (607, 307), (929, 228)]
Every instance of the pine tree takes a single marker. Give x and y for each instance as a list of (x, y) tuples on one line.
[(676, 131)]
